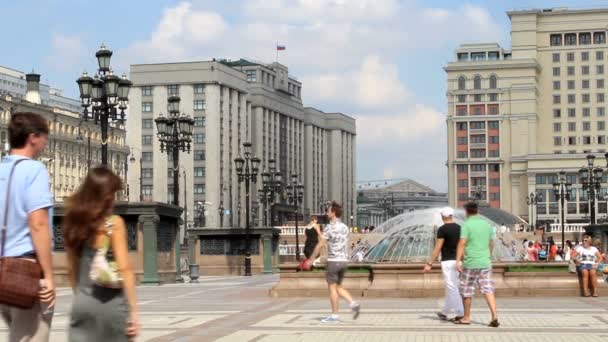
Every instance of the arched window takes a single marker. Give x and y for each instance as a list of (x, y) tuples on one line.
[(493, 82), (477, 82), (461, 83)]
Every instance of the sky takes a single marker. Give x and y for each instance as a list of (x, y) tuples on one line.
[(379, 61)]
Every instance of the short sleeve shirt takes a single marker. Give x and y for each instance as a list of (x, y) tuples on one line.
[(588, 255), (450, 233), (336, 235), (30, 191), (478, 234)]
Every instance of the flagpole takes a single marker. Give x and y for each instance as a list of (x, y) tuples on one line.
[(276, 48)]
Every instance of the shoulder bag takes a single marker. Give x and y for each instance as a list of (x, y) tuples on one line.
[(19, 277)]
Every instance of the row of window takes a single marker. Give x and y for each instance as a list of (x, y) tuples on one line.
[(586, 111), (478, 153), (149, 172), (147, 190), (585, 98), (494, 196), (586, 140), (600, 126), (478, 181), (478, 139), (585, 84), (147, 107), (599, 56), (148, 156), (492, 82), (584, 38), (172, 89), (462, 126), (478, 167), (462, 98), (571, 70)]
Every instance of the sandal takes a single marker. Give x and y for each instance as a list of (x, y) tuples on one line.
[(494, 323), (457, 318), (442, 316), (461, 322)]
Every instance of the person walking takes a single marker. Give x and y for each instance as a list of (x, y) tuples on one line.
[(475, 247), (27, 214), (100, 311), (588, 257), (335, 238), (448, 236)]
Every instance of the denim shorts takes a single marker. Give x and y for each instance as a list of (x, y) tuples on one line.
[(586, 266)]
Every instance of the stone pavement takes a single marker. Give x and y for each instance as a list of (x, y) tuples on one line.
[(238, 309)]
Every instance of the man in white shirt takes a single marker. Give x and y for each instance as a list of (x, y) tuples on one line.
[(335, 237)]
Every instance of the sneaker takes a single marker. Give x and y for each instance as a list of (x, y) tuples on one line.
[(330, 319), (356, 309)]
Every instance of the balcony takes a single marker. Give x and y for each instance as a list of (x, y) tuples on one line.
[(478, 173), (477, 131), (477, 145)]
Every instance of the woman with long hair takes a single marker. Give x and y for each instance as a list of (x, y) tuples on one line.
[(588, 258), (99, 313)]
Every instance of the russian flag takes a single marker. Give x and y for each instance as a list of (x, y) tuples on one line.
[(280, 47)]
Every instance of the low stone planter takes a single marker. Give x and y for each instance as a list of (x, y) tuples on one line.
[(408, 281)]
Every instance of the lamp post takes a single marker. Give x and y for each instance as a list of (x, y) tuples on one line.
[(175, 135), (591, 178), (387, 206), (295, 194), (247, 168), (272, 185), (562, 194), (104, 93), (220, 211), (141, 183), (80, 137), (532, 201)]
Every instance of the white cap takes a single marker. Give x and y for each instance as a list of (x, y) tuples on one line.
[(447, 212)]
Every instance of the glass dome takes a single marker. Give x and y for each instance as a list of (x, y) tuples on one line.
[(410, 238)]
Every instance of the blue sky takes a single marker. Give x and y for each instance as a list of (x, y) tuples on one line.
[(377, 60)]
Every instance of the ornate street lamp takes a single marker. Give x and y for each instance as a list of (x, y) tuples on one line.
[(295, 195), (387, 206), (106, 94), (220, 211), (132, 160), (175, 135), (532, 201), (591, 179), (247, 169), (562, 194), (272, 185)]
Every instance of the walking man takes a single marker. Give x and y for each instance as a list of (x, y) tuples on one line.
[(335, 238), (28, 230), (476, 246), (448, 236)]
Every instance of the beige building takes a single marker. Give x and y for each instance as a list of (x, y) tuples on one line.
[(74, 144), (233, 102), (517, 117)]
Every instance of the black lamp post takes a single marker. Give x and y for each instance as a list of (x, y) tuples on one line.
[(562, 194), (272, 185), (141, 183), (387, 206), (247, 169), (532, 201), (295, 194), (220, 211), (591, 178), (106, 93), (175, 135)]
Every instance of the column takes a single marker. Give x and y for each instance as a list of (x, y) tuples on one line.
[(267, 246), (149, 225)]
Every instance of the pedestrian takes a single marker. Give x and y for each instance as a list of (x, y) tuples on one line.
[(587, 257), (104, 306), (335, 238), (532, 252), (542, 253), (26, 213), (475, 248), (552, 249), (446, 244)]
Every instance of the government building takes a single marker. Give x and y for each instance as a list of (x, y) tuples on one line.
[(517, 117), (232, 102)]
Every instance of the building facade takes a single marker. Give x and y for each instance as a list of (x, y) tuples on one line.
[(378, 201), (233, 102), (516, 118), (74, 144)]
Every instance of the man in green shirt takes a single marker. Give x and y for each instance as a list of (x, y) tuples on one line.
[(476, 246)]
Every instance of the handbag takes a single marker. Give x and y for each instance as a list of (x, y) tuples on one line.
[(19, 277), (104, 271)]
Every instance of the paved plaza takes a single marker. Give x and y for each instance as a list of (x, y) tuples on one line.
[(238, 309)]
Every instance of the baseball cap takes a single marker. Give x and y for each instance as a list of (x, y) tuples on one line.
[(447, 212)]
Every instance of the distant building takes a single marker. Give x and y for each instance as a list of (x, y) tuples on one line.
[(377, 201)]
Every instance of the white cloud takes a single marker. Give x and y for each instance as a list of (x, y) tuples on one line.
[(66, 51)]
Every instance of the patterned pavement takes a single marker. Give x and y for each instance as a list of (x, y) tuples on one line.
[(238, 309)]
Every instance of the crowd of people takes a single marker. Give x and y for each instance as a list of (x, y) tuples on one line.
[(104, 306)]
